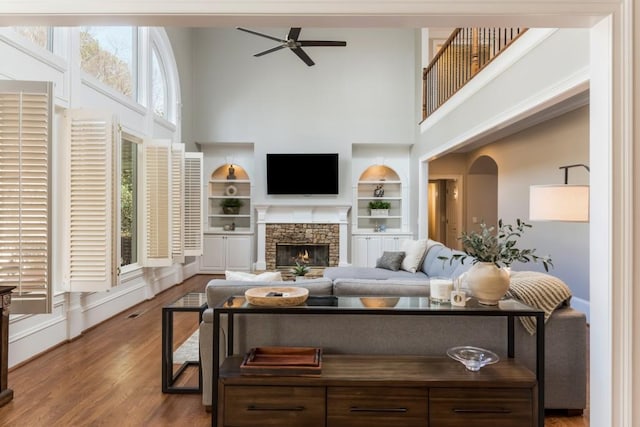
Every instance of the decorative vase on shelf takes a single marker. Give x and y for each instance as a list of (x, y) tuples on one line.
[(487, 282)]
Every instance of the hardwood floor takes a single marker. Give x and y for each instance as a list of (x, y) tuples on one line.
[(111, 376)]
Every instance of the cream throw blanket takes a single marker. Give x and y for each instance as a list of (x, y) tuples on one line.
[(539, 290)]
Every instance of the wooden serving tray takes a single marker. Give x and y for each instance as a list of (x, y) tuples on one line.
[(282, 361)]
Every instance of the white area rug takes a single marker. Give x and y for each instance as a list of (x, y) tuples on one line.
[(188, 350)]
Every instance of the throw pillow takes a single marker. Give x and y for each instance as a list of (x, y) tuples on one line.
[(267, 276), (238, 275), (415, 251), (390, 260)]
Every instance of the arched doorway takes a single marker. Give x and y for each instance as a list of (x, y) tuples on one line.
[(482, 193)]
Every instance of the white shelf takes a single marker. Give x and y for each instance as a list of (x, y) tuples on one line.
[(381, 198), (230, 181), (230, 197), (380, 217), (220, 230)]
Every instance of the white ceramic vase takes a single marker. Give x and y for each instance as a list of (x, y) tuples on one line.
[(487, 282)]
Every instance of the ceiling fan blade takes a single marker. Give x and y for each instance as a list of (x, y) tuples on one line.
[(261, 35), (320, 43), (270, 50), (302, 55), (294, 33)]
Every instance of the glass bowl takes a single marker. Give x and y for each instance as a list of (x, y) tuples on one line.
[(473, 358)]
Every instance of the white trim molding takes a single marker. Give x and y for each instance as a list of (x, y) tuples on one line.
[(302, 214)]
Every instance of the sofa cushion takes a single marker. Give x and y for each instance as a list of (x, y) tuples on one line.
[(414, 254), (389, 287), (267, 276), (390, 260), (334, 273)]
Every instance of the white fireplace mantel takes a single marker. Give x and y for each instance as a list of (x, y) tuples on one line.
[(301, 214)]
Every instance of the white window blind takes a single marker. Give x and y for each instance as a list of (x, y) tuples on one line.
[(193, 204), (25, 176), (92, 143), (177, 208), (156, 161)]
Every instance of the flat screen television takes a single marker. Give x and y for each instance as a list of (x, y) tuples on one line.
[(315, 173)]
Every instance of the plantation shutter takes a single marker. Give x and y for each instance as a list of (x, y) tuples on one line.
[(156, 161), (193, 204), (177, 207), (92, 142), (25, 194)]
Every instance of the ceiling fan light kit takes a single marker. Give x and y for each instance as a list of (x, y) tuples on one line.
[(294, 44)]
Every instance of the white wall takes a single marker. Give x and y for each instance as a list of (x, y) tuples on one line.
[(361, 93)]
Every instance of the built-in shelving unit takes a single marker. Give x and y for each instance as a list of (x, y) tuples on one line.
[(376, 232), (379, 183), (228, 238), (222, 188)]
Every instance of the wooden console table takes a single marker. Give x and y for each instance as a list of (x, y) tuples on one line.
[(380, 391), (6, 394), (447, 384)]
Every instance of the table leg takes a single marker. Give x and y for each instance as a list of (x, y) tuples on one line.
[(510, 339), (167, 350), (230, 332), (540, 366), (216, 368)]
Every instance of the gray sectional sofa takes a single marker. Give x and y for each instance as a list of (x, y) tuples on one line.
[(565, 331)]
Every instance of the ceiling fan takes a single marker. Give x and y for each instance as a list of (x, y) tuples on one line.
[(293, 43)]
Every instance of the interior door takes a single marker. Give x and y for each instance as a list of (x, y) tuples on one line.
[(452, 213)]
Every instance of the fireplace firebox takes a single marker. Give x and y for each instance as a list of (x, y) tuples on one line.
[(313, 255)]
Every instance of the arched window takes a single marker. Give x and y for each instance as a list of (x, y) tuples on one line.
[(159, 96), (164, 88)]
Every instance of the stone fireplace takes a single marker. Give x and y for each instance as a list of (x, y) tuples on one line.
[(286, 232), (286, 242)]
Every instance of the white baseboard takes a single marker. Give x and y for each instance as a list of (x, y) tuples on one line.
[(582, 305), (190, 269), (74, 313)]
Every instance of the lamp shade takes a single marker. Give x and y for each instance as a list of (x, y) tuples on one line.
[(559, 203)]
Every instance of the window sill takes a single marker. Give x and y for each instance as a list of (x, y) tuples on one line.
[(130, 272)]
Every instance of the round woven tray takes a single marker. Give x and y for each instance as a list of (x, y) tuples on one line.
[(277, 296)]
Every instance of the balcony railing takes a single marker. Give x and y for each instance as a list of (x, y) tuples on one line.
[(463, 55)]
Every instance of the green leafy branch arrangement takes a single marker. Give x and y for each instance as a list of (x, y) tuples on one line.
[(498, 247)]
